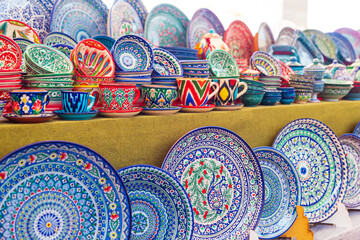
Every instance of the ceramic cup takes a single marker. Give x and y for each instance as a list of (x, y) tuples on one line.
[(195, 91), (29, 102), (159, 96), (76, 102), (229, 91), (119, 97)]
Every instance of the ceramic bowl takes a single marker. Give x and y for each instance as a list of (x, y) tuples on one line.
[(251, 91), (302, 97), (333, 94), (251, 100), (166, 64), (354, 94), (252, 82), (272, 93), (318, 75), (318, 86), (301, 78), (287, 100), (270, 100)]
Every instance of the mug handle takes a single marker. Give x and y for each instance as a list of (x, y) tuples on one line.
[(47, 99), (215, 91), (243, 91), (91, 104), (137, 95)]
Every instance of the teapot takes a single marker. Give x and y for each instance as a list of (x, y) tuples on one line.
[(340, 72), (208, 43)]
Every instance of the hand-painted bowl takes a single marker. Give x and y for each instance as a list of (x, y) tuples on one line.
[(251, 100)]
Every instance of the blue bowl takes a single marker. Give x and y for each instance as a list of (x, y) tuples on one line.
[(287, 100), (269, 101)]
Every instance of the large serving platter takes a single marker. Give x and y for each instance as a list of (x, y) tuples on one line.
[(353, 36), (345, 50)]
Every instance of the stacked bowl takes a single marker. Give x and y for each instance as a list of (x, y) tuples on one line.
[(271, 97), (255, 93), (335, 89), (196, 68), (249, 74), (183, 53), (287, 95), (303, 85)]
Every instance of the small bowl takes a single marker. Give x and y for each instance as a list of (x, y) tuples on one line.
[(333, 94), (302, 97), (287, 100), (354, 94), (270, 101), (251, 100)]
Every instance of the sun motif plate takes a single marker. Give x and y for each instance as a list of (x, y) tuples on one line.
[(63, 191), (240, 40), (18, 29), (265, 38), (351, 145), (353, 37), (222, 64), (160, 207), (201, 23), (166, 26), (345, 49), (59, 38), (286, 36), (223, 179), (166, 64), (10, 54), (265, 64), (319, 159), (306, 49), (80, 19), (282, 193)]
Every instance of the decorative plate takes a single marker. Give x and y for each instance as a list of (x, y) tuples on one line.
[(92, 58), (326, 46), (166, 64), (160, 207), (286, 71), (351, 145), (10, 54), (353, 37), (59, 38), (306, 49), (357, 129), (65, 49), (240, 40), (139, 6), (132, 53), (265, 38), (265, 64), (63, 190), (17, 29), (222, 64), (108, 42), (201, 23), (346, 52), (286, 36), (319, 158), (81, 19), (223, 179), (166, 25), (282, 193), (124, 19)]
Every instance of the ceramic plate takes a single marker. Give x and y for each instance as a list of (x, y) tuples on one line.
[(346, 52), (166, 64), (223, 179), (320, 161), (160, 207), (64, 190), (10, 54), (59, 38), (108, 42), (357, 129), (132, 53), (306, 49), (286, 36), (202, 22), (286, 71), (76, 116), (240, 40), (80, 19), (139, 6), (166, 25), (161, 111), (265, 64), (65, 49), (282, 193), (353, 36), (326, 46), (17, 29), (265, 38), (222, 64), (351, 145)]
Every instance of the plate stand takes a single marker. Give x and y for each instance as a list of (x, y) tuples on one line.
[(300, 229), (340, 218), (253, 235)]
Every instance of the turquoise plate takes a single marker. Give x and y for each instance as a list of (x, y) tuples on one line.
[(76, 116)]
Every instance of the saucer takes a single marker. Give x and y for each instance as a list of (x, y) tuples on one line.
[(76, 116), (161, 111), (194, 109), (121, 113), (29, 118), (229, 107)]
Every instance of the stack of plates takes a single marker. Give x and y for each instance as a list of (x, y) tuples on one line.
[(136, 77), (167, 68), (9, 80), (304, 86), (195, 68), (271, 82), (249, 74), (183, 53)]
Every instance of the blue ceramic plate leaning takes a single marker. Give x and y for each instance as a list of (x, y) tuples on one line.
[(166, 64), (223, 179), (345, 50), (108, 42), (59, 38), (357, 129), (63, 191), (282, 193), (76, 116), (306, 49), (160, 207)]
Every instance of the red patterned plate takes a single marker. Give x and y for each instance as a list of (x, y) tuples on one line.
[(10, 54), (11, 72), (17, 29), (285, 73), (240, 41)]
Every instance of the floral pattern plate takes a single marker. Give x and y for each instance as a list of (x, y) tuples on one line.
[(282, 193), (265, 38), (222, 64), (240, 40), (320, 161), (160, 207), (166, 64), (265, 64), (286, 36), (223, 179), (306, 49), (201, 23), (18, 29), (59, 38), (346, 52), (10, 54), (63, 190), (166, 26), (353, 37)]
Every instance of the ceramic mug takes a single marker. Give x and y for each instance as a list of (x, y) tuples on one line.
[(77, 102), (158, 96), (195, 91), (29, 102), (119, 96), (229, 91)]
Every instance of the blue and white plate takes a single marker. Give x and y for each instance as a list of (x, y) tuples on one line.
[(55, 38), (306, 49), (63, 191), (345, 50), (107, 41), (166, 64), (160, 207), (320, 161), (223, 179), (282, 193)]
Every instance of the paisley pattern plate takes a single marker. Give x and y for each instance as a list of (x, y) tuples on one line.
[(166, 26), (306, 49), (160, 207), (18, 29), (108, 42), (320, 161), (201, 23), (222, 64), (166, 64), (63, 191), (265, 64), (80, 19), (351, 145), (240, 41), (353, 37), (223, 179), (286, 36), (10, 54), (59, 38), (282, 193), (345, 50), (265, 38)]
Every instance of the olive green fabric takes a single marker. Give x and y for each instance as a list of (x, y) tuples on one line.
[(147, 139)]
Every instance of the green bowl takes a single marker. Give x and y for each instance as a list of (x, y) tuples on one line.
[(251, 100), (333, 94)]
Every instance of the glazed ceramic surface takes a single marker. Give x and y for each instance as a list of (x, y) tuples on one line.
[(121, 113), (282, 193), (18, 29), (10, 54), (326, 46), (265, 63), (265, 38), (76, 101), (196, 91), (76, 116), (357, 129), (157, 96), (346, 52), (286, 36), (229, 91), (64, 190), (222, 64), (306, 49), (139, 7), (166, 63), (353, 36), (108, 42), (39, 118), (65, 49), (166, 25), (80, 19), (320, 161), (29, 102), (119, 96), (54, 38), (223, 179), (160, 207)]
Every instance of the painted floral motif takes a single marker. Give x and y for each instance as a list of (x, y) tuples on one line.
[(159, 97), (166, 64), (119, 99), (10, 54), (55, 38), (17, 29), (29, 103), (222, 64)]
